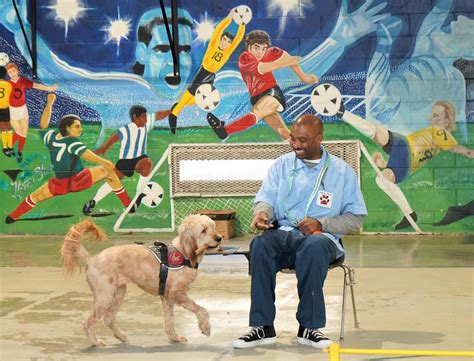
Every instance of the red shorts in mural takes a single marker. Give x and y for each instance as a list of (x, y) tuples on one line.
[(76, 183)]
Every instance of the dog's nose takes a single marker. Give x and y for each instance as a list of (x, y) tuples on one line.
[(219, 239)]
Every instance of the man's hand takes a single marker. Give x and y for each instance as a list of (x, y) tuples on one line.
[(260, 221), (309, 226)]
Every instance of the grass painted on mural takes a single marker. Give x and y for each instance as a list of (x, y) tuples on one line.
[(445, 181)]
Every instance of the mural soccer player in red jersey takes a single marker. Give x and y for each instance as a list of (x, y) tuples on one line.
[(19, 116), (256, 65)]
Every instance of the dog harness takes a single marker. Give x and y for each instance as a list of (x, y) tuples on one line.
[(170, 259)]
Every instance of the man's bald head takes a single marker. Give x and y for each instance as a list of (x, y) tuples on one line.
[(310, 121), (306, 137)]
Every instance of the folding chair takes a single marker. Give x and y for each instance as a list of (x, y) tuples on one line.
[(349, 280)]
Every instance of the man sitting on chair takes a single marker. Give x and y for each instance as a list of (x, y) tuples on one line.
[(308, 200)]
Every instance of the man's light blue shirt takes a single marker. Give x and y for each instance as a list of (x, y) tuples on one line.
[(290, 184)]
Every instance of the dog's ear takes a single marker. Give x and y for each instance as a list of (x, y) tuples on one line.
[(189, 244)]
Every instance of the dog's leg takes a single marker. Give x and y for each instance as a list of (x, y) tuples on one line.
[(103, 289), (168, 316), (200, 312), (109, 317), (89, 328)]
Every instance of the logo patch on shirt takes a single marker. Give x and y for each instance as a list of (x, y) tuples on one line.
[(324, 199)]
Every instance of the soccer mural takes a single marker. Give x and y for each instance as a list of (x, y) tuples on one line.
[(88, 134)]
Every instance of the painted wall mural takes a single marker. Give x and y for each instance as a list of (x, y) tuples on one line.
[(99, 115)]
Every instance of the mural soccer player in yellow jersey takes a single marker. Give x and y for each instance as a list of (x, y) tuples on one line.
[(5, 125), (221, 46), (406, 154)]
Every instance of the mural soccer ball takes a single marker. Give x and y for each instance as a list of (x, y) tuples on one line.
[(207, 97), (4, 59), (326, 99), (242, 15), (152, 195)]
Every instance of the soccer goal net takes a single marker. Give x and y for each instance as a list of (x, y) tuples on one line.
[(226, 176)]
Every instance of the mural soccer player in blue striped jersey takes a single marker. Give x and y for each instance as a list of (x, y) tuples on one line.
[(132, 157)]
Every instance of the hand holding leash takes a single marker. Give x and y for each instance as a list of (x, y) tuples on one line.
[(309, 226)]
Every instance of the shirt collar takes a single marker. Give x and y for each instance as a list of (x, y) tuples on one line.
[(300, 164)]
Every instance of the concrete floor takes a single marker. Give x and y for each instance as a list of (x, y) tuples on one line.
[(412, 292)]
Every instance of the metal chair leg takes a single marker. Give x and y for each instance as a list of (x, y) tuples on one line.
[(343, 310), (349, 280), (352, 284)]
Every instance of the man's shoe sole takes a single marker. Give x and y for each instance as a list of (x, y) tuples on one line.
[(320, 344), (263, 341)]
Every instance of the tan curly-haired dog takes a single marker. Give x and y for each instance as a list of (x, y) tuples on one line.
[(109, 272)]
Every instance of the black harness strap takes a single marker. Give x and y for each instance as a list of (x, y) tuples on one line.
[(163, 249)]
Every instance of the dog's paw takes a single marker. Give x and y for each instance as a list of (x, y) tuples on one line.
[(121, 336), (181, 339), (207, 331), (100, 343), (205, 328)]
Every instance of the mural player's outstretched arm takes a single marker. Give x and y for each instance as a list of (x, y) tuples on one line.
[(91, 157), (305, 78), (284, 61), (106, 146), (432, 22), (460, 149), (349, 28), (47, 88)]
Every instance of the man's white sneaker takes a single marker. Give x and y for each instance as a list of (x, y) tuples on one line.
[(257, 336), (313, 338)]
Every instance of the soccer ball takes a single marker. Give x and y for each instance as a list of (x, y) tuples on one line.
[(326, 99), (4, 59), (207, 97), (152, 195), (242, 15)]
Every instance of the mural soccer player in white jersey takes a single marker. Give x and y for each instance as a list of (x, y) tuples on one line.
[(133, 156)]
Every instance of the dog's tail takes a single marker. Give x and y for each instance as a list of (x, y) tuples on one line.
[(72, 250)]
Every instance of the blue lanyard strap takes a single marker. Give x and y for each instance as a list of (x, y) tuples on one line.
[(314, 192)]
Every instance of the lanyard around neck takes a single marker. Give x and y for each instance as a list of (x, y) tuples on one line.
[(314, 192)]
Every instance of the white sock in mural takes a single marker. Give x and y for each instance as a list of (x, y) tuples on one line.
[(141, 182), (365, 127), (102, 192), (395, 193)]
